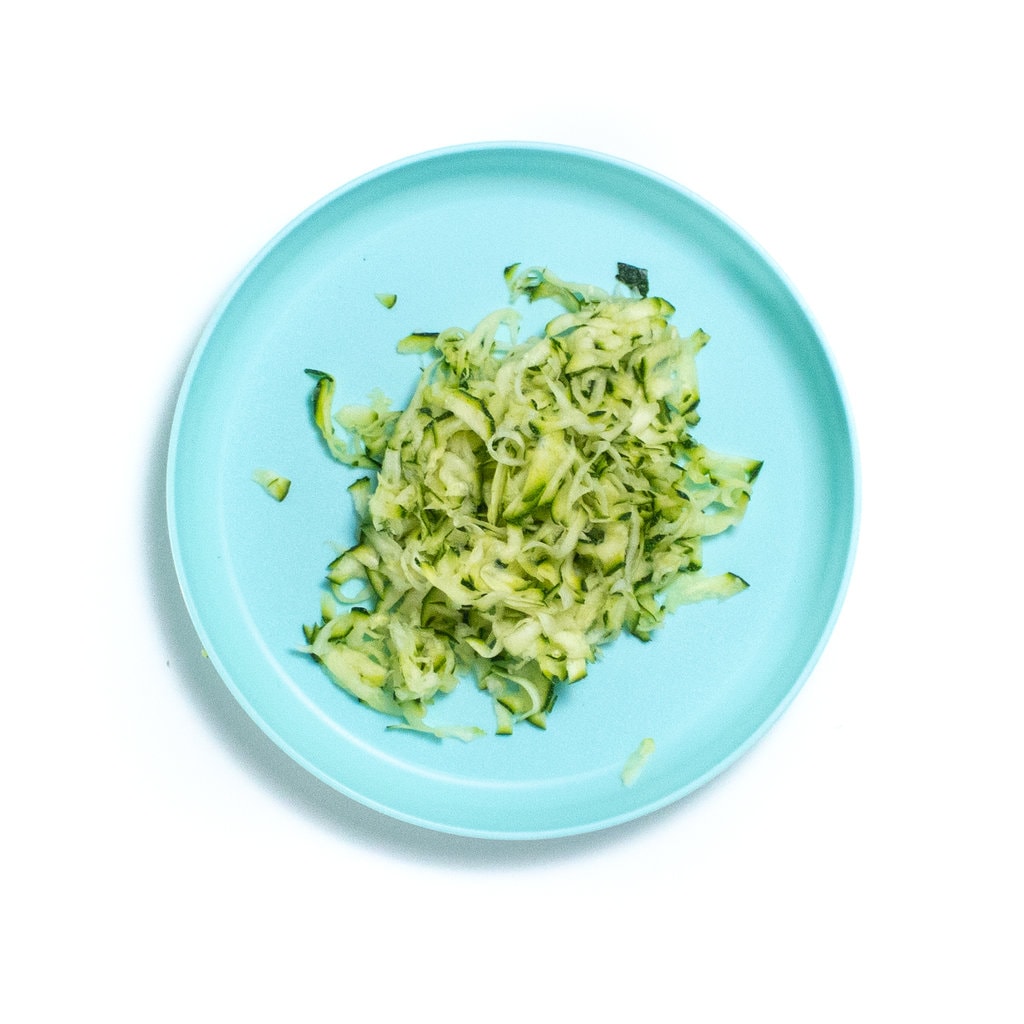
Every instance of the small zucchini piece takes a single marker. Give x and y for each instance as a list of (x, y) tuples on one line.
[(418, 341), (274, 484), (633, 277), (636, 761)]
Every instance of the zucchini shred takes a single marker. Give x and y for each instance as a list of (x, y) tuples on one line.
[(532, 502)]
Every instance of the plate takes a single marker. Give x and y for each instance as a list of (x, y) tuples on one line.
[(437, 230)]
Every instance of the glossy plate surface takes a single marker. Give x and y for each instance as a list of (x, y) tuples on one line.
[(438, 230)]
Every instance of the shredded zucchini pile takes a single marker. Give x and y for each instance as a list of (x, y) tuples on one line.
[(530, 503)]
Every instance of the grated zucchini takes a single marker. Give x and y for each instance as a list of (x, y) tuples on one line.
[(533, 501)]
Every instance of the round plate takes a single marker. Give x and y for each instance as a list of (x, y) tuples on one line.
[(438, 230)]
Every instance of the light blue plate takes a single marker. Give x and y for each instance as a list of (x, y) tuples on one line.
[(438, 230)]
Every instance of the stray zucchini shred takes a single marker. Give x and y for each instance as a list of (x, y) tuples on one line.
[(532, 502), (636, 761), (275, 485)]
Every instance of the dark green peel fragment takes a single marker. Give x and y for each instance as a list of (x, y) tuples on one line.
[(633, 277)]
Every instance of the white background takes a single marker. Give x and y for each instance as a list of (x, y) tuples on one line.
[(162, 860)]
